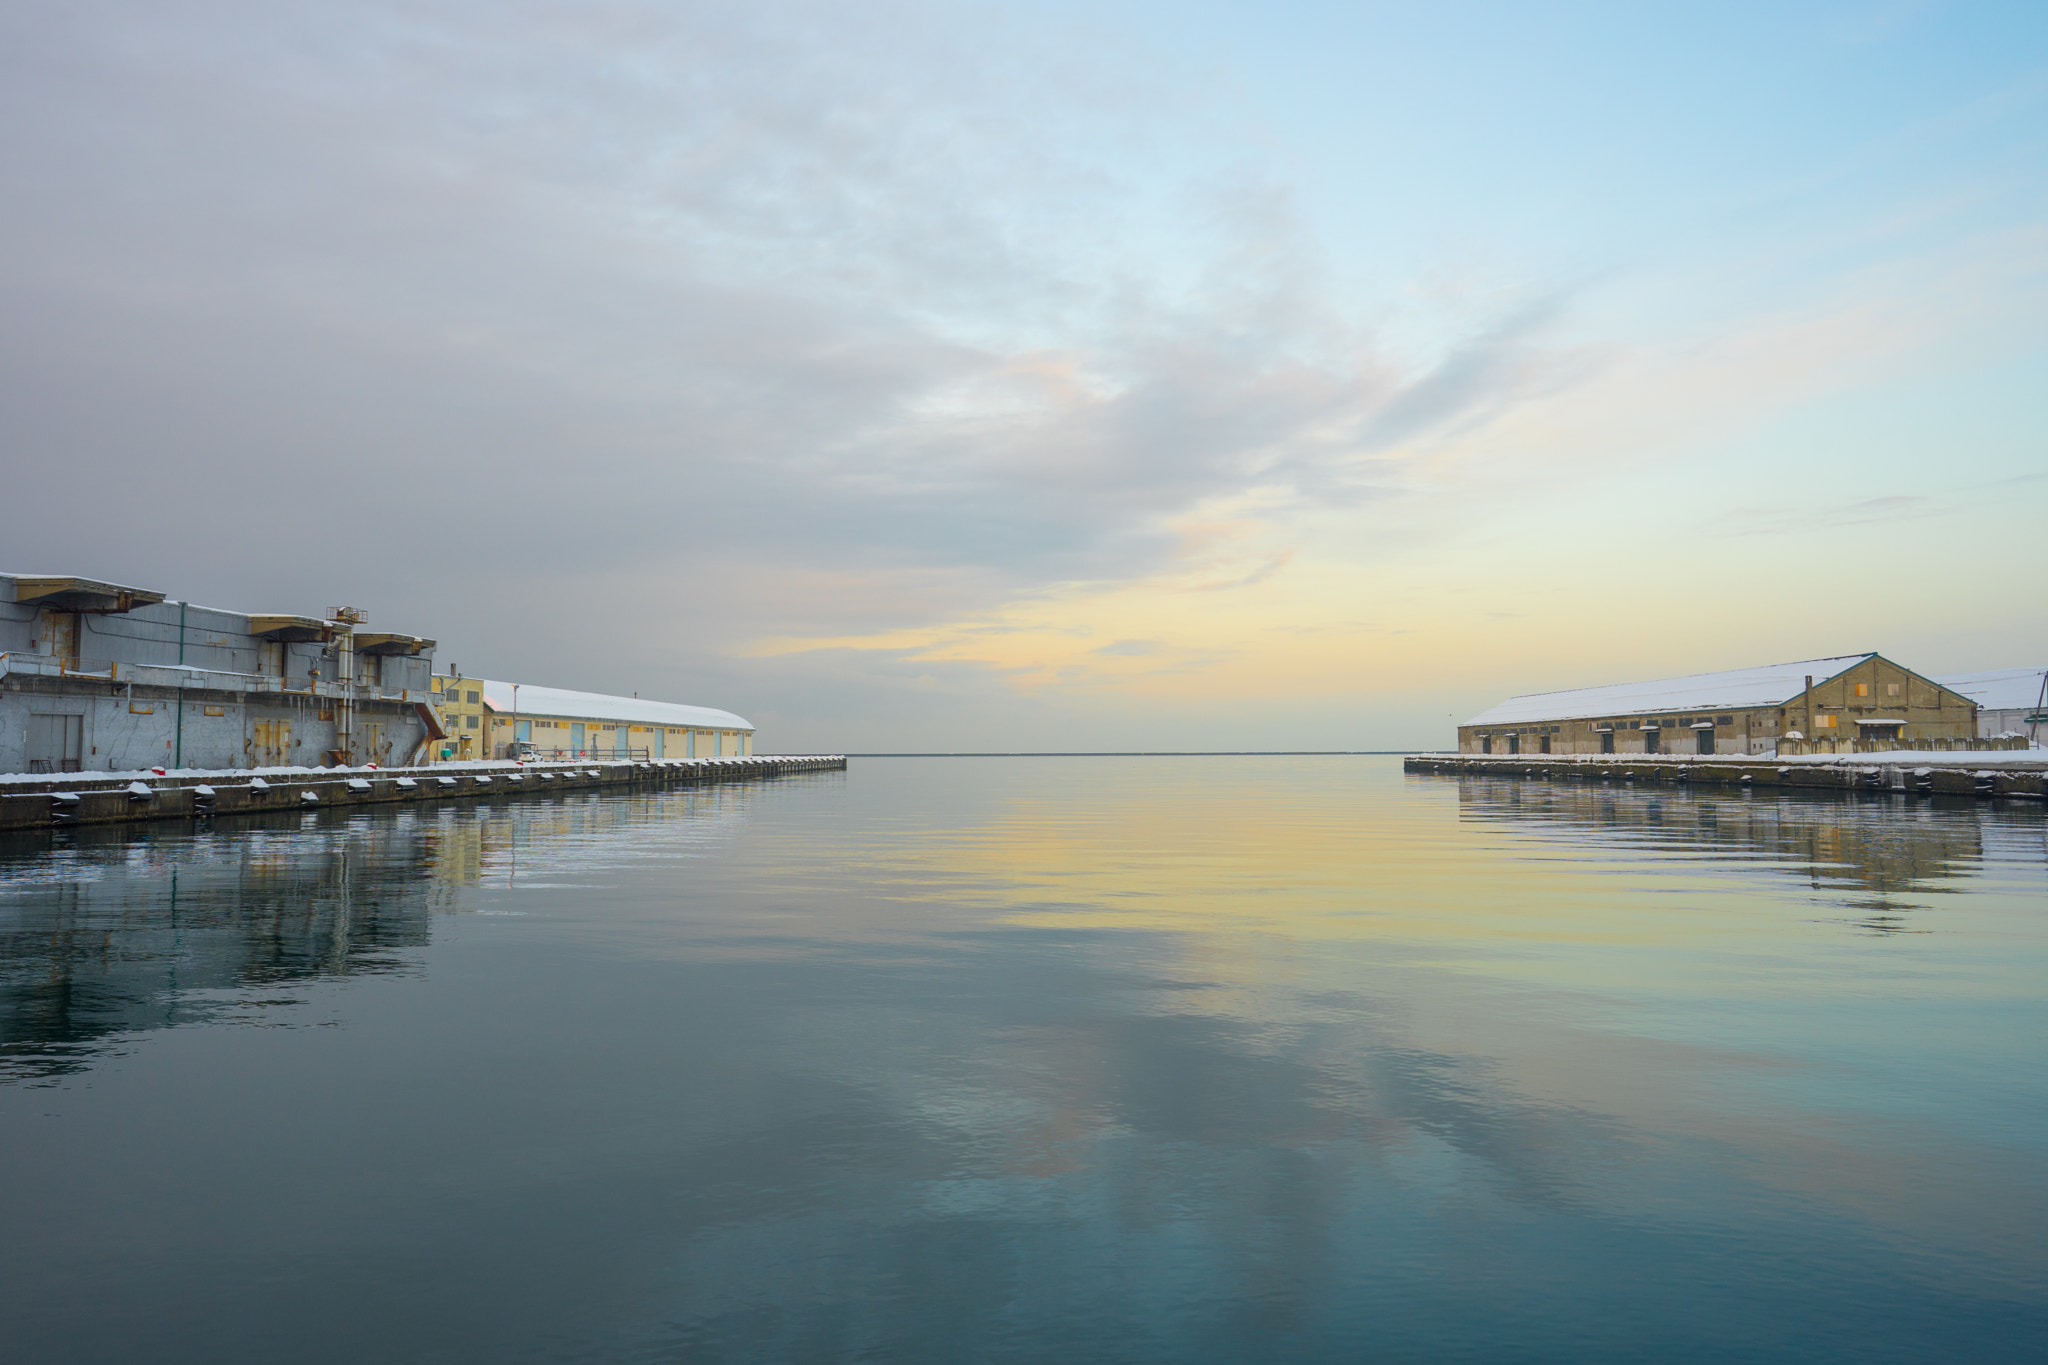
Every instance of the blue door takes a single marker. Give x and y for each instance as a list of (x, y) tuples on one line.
[(576, 738)]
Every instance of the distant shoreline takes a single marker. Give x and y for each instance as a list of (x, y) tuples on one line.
[(1142, 753)]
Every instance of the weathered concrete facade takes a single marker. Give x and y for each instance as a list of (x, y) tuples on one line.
[(1849, 699), (96, 676)]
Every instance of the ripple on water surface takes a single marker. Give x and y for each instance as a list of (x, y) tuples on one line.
[(1171, 1059)]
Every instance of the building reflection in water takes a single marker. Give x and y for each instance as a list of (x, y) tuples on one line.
[(1880, 855), (108, 930)]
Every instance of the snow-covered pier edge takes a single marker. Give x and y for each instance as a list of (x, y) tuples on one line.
[(1978, 773), (56, 800)]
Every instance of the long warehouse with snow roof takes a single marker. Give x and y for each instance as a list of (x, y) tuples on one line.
[(1740, 711), (563, 724)]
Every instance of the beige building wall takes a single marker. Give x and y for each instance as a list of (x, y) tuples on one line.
[(459, 702), (601, 737)]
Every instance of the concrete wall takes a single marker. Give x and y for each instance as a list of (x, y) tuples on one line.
[(1747, 731), (126, 729)]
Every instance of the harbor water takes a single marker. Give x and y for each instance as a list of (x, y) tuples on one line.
[(1171, 1059)]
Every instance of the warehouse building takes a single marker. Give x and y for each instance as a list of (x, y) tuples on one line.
[(1852, 698), (2010, 701), (561, 724), (97, 675)]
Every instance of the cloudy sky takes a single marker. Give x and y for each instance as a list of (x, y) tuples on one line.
[(1050, 374)]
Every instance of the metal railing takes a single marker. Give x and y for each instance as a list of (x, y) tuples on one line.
[(183, 676), (58, 666)]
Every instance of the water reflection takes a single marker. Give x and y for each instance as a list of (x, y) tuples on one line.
[(1879, 855), (1022, 1061), (106, 931)]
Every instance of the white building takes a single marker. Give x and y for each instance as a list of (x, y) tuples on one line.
[(565, 724), (2005, 697)]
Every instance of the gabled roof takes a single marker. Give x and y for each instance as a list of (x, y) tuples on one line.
[(560, 703), (1999, 689), (1770, 685)]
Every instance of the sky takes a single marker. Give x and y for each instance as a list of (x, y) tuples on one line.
[(1050, 376)]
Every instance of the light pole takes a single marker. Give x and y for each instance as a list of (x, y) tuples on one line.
[(515, 718)]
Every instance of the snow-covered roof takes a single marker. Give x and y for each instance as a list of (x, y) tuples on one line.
[(562, 703), (1998, 689), (1738, 687)]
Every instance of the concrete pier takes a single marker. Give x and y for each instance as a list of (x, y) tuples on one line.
[(1932, 774), (64, 799)]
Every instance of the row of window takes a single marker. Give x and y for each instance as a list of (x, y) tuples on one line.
[(593, 727), (1619, 725)]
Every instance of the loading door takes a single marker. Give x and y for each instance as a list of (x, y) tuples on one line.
[(271, 746), (1607, 741), (1706, 735), (56, 744), (60, 631), (1650, 736), (576, 738), (622, 740)]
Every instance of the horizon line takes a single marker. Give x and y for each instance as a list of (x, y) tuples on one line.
[(1130, 753)]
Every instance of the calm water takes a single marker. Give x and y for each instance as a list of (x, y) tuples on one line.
[(1035, 1060)]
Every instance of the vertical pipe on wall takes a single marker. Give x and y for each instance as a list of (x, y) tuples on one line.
[(178, 751)]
